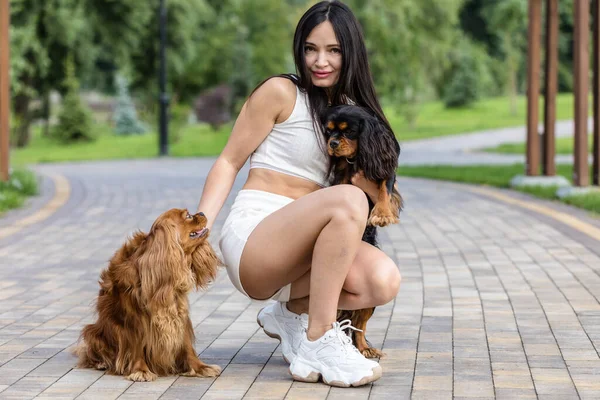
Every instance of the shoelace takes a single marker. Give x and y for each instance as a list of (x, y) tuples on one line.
[(339, 329)]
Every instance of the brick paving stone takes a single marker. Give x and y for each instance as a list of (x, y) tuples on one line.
[(27, 387), (308, 391), (496, 302), (148, 390)]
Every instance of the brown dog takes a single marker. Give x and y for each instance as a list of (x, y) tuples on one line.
[(143, 328)]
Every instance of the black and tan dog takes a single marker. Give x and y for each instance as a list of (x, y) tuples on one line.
[(358, 141)]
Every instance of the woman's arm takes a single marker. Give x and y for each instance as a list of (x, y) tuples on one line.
[(254, 123)]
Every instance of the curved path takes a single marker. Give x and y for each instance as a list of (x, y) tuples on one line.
[(497, 301), (466, 149)]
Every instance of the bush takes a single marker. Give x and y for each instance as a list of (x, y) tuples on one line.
[(467, 76), (75, 120), (21, 183), (213, 106), (178, 119)]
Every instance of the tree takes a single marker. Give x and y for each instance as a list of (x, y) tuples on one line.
[(185, 33), (119, 26), (408, 43), (467, 77), (233, 44), (125, 116), (507, 19), (43, 33), (74, 121)]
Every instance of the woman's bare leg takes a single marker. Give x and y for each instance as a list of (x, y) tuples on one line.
[(322, 232), (373, 280)]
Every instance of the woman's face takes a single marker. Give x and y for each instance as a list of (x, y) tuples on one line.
[(323, 55)]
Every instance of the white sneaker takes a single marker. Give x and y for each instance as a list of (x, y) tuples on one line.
[(280, 323), (334, 358)]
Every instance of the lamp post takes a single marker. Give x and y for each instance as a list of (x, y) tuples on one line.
[(163, 122), (4, 89)]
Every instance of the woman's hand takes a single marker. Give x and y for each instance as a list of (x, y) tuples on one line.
[(369, 187)]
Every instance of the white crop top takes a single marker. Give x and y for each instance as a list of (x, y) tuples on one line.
[(293, 148)]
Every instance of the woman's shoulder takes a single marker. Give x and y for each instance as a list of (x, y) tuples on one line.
[(279, 88), (277, 97)]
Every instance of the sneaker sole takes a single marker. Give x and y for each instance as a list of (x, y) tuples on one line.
[(272, 335), (314, 377)]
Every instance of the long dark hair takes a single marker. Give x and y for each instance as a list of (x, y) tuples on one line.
[(355, 82)]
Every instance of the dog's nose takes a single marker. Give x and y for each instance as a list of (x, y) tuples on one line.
[(334, 144), (201, 214)]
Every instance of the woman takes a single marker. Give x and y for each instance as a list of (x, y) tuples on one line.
[(289, 237)]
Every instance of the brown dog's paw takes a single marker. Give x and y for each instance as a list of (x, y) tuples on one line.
[(372, 352), (101, 366), (207, 371), (142, 376)]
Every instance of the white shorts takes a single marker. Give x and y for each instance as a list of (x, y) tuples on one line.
[(248, 210)]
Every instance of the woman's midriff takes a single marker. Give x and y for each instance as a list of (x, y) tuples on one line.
[(278, 183)]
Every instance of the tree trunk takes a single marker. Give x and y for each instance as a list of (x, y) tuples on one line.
[(23, 120), (512, 76), (46, 113)]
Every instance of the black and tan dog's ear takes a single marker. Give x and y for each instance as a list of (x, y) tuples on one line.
[(379, 149)]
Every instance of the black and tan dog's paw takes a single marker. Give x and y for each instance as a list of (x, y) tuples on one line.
[(381, 216)]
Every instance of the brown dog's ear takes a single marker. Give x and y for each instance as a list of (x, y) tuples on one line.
[(120, 272), (205, 265), (159, 264)]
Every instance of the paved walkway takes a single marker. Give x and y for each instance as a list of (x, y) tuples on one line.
[(497, 301), (466, 149)]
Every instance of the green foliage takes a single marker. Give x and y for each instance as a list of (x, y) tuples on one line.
[(412, 49), (408, 43), (238, 43), (178, 120), (242, 77), (120, 25), (43, 33), (75, 120), (467, 75), (21, 183), (125, 116), (185, 33)]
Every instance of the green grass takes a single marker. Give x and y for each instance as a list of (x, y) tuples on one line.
[(500, 176), (435, 120), (563, 146), (196, 140), (21, 184), (200, 140)]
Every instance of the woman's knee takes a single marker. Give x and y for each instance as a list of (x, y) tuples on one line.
[(351, 202), (385, 281)]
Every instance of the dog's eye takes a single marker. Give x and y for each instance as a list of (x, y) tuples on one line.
[(188, 216)]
